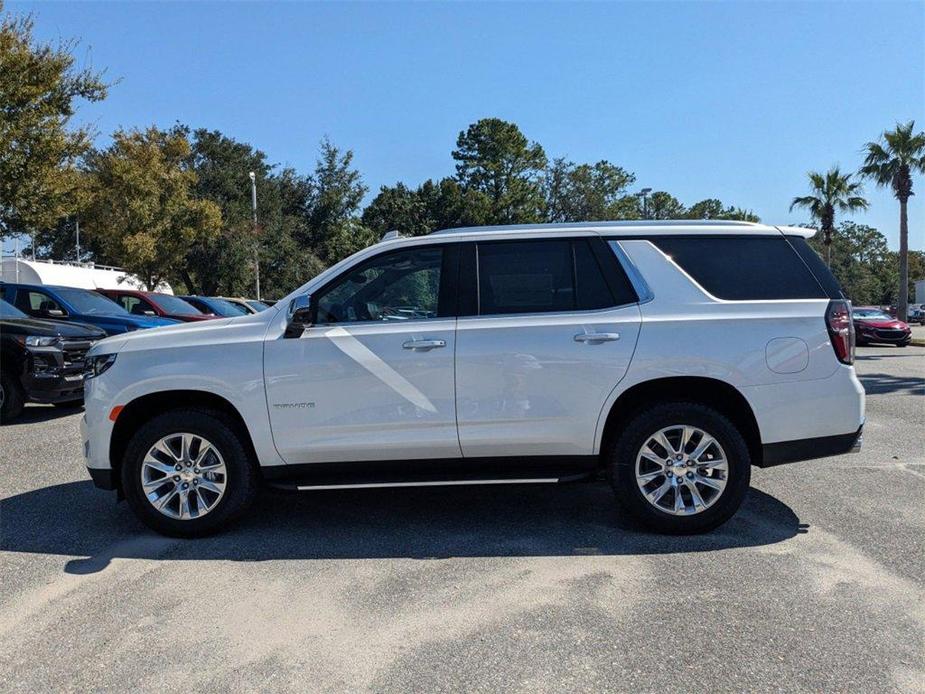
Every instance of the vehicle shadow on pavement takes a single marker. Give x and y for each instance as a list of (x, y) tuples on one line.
[(36, 414), (76, 520), (881, 384)]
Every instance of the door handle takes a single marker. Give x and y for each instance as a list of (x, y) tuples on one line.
[(594, 338), (424, 344)]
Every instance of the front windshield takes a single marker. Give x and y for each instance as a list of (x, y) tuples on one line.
[(90, 303), (871, 313), (175, 305), (10, 311), (226, 308)]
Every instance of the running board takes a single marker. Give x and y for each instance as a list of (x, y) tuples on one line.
[(429, 473), (430, 483)]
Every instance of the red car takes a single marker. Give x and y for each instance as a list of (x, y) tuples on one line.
[(872, 325), (156, 304)]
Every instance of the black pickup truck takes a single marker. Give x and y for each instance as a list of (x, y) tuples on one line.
[(41, 360)]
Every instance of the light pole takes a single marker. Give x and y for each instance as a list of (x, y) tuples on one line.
[(645, 205), (253, 178), (77, 227)]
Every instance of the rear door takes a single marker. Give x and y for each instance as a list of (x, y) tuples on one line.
[(552, 328)]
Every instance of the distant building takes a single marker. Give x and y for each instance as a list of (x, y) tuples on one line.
[(82, 275)]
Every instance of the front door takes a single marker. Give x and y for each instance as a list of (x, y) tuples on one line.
[(554, 331), (373, 378)]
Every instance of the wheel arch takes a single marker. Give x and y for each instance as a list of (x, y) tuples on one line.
[(145, 407), (719, 395)]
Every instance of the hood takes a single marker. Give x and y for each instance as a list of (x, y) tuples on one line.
[(891, 324), (50, 328), (129, 319)]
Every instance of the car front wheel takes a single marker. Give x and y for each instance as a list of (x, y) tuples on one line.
[(187, 473), (680, 468)]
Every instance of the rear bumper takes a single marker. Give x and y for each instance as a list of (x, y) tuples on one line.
[(808, 449)]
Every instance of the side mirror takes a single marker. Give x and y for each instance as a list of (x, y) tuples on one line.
[(150, 313), (301, 315), (54, 313)]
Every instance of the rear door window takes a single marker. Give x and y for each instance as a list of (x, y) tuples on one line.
[(544, 276), (743, 268)]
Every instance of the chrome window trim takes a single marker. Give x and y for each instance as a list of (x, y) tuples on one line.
[(643, 290)]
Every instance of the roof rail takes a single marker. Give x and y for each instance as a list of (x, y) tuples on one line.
[(638, 223)]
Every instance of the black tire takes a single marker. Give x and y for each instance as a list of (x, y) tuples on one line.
[(242, 479), (13, 399), (622, 474)]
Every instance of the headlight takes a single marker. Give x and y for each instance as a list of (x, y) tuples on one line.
[(98, 364), (39, 341)]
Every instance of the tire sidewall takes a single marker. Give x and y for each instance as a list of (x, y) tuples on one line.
[(13, 400), (642, 427), (241, 481)]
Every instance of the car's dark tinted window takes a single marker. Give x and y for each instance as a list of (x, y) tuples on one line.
[(817, 266), (743, 268), (525, 277), (592, 289)]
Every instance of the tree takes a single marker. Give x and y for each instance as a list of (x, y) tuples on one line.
[(713, 209), (335, 190), (860, 261), (662, 205), (830, 192), (398, 208), (494, 158), (144, 215), (586, 192), (39, 89), (443, 204), (892, 161)]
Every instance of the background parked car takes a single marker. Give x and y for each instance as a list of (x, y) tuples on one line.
[(874, 325), (252, 305), (42, 360), (217, 306), (80, 305), (156, 304)]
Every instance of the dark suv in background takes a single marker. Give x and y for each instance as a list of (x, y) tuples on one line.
[(42, 360)]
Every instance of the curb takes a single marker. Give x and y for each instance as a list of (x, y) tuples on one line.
[(917, 342)]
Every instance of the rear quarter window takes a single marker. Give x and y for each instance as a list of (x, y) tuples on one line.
[(743, 268)]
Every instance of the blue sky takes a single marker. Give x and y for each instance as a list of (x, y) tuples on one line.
[(735, 100)]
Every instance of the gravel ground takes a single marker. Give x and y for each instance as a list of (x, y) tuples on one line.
[(817, 584)]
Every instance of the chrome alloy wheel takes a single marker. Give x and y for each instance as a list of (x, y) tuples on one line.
[(183, 476), (681, 470)]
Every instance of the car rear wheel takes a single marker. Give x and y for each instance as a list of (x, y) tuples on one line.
[(187, 473), (11, 398), (680, 468)]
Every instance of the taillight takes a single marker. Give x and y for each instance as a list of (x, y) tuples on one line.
[(841, 330)]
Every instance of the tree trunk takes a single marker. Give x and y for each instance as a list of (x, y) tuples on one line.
[(903, 306)]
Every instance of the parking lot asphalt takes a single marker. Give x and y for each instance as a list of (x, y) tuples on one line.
[(817, 584)]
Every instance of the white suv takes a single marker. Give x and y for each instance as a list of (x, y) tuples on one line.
[(667, 356)]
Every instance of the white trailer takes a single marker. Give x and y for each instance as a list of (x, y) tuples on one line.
[(65, 274)]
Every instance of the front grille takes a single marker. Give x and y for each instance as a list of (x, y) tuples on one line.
[(889, 334), (75, 352)]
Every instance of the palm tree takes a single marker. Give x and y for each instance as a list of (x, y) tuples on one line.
[(830, 192), (891, 162)]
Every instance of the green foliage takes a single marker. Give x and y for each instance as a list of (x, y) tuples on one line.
[(588, 192), (662, 205), (893, 159), (830, 192), (335, 191), (143, 213), (713, 209), (39, 153), (494, 158)]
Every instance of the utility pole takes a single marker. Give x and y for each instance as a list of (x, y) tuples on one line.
[(253, 178), (644, 193), (77, 226)]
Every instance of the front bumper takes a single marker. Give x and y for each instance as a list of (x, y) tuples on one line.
[(808, 449), (51, 375)]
